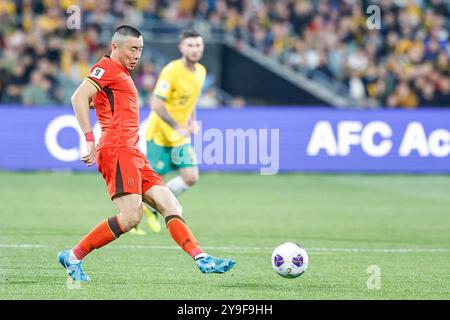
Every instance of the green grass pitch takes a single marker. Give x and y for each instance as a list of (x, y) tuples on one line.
[(347, 223)]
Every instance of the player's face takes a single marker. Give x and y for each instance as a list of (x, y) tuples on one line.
[(130, 52), (192, 48)]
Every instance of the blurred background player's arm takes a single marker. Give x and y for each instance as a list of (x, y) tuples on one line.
[(192, 122), (80, 103), (158, 105)]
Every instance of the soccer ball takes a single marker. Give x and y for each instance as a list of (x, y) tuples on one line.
[(289, 260)]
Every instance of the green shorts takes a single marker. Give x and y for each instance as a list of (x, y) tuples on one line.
[(165, 159)]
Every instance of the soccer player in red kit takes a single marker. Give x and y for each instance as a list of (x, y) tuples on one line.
[(129, 178)]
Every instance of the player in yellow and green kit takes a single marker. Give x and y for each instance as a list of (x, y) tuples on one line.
[(172, 120)]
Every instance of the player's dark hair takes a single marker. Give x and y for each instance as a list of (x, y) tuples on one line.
[(190, 33), (127, 30)]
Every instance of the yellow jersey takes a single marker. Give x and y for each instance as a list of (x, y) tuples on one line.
[(180, 88)]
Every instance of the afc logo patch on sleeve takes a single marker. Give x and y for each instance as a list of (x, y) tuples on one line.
[(164, 86), (97, 73)]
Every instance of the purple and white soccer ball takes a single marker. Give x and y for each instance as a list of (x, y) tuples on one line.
[(290, 260)]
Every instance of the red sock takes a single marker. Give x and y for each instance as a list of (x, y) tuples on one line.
[(182, 235), (105, 232)]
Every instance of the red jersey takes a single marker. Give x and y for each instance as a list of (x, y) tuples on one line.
[(116, 104)]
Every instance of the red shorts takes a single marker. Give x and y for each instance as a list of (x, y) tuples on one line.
[(125, 171)]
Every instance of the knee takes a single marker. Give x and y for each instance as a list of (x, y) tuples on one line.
[(178, 209), (132, 217), (191, 179), (174, 208)]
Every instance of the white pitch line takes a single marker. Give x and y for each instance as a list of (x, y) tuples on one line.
[(22, 245), (381, 250), (250, 249)]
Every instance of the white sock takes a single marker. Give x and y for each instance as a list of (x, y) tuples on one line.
[(177, 186), (200, 255), (73, 258)]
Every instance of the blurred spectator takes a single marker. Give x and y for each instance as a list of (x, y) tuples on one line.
[(128, 12), (357, 90), (13, 86), (443, 92), (80, 66), (2, 81), (402, 97), (149, 11), (37, 91), (146, 80), (51, 21), (208, 99), (238, 102)]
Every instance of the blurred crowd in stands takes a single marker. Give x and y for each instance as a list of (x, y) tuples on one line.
[(42, 61), (404, 64)]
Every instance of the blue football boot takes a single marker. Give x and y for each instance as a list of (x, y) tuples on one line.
[(74, 270), (210, 264)]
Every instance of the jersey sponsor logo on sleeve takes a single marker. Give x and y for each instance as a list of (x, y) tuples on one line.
[(97, 73)]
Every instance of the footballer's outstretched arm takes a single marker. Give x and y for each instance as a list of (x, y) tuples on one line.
[(80, 103), (158, 105)]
